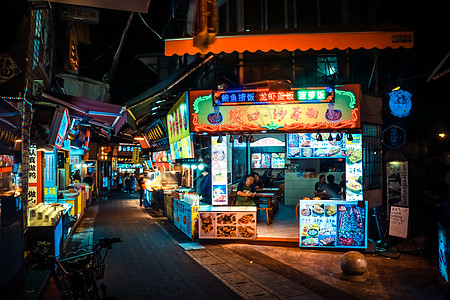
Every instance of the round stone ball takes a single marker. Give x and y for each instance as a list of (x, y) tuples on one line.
[(353, 263)]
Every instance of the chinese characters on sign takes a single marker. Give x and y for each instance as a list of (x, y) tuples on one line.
[(398, 221), (306, 95), (32, 174)]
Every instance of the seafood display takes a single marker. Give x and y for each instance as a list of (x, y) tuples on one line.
[(227, 224), (306, 145), (330, 223)]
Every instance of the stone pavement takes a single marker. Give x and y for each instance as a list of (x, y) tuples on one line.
[(150, 264)]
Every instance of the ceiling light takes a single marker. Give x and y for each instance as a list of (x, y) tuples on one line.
[(231, 139), (330, 137), (160, 101), (139, 138), (319, 137), (241, 139), (155, 107), (251, 139), (442, 135), (219, 140), (338, 137), (349, 137)]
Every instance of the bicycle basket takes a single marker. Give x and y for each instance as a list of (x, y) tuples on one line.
[(62, 281), (98, 265)]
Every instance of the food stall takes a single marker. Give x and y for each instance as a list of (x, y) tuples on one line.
[(297, 134)]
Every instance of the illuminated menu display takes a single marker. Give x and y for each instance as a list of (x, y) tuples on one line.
[(156, 134), (305, 95), (219, 171), (333, 224)]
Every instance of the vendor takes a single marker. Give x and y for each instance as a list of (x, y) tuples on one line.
[(318, 187), (332, 189), (246, 191), (76, 177), (88, 179)]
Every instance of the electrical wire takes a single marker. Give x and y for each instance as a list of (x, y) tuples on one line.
[(145, 23)]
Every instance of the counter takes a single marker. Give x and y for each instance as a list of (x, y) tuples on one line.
[(185, 213), (333, 224), (227, 222)]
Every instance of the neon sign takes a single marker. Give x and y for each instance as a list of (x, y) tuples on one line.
[(342, 113), (304, 95)]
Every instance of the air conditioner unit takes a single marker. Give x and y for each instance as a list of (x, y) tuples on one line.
[(38, 86)]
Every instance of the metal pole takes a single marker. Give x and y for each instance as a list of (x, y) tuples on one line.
[(107, 77)]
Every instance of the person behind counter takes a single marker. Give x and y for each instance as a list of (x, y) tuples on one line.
[(205, 186), (246, 191), (88, 179), (318, 188), (76, 177), (332, 189), (343, 185)]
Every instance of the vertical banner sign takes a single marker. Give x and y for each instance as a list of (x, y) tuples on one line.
[(50, 190), (397, 183), (135, 156), (353, 168), (32, 174), (398, 221), (219, 171)]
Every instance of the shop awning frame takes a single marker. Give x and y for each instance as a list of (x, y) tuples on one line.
[(379, 37), (103, 114), (138, 107)]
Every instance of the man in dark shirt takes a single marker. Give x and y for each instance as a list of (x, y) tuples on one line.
[(88, 179), (318, 187), (332, 189)]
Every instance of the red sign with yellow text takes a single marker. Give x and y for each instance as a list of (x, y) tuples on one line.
[(343, 113)]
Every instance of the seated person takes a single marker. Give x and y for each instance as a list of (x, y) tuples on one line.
[(318, 188), (246, 191), (333, 190), (258, 182)]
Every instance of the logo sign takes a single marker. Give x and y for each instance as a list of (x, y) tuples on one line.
[(304, 95), (156, 135), (400, 103), (394, 137)]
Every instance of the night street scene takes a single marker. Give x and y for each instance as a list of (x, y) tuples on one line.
[(224, 149)]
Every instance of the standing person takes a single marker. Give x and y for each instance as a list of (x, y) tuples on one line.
[(119, 182), (76, 177), (141, 185), (246, 192), (318, 187), (332, 189), (127, 184), (205, 186)]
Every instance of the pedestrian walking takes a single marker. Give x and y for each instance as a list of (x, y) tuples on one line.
[(141, 186)]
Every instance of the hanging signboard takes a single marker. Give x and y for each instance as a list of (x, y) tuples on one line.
[(342, 113), (32, 175), (400, 103), (398, 221), (394, 137), (156, 136), (397, 183), (219, 171), (178, 120), (135, 157)]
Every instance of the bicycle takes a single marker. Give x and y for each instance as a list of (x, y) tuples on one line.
[(76, 273)]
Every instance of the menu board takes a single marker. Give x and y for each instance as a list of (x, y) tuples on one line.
[(268, 160), (353, 168), (182, 149), (306, 145), (219, 171), (182, 212), (278, 161), (227, 222), (333, 224)]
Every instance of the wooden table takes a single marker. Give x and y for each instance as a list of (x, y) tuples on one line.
[(270, 201), (267, 190)]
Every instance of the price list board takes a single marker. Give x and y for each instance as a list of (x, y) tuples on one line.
[(333, 224)]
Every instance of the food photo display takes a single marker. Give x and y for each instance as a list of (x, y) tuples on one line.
[(340, 224), (227, 225)]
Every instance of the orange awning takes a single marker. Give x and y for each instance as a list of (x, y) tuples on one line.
[(297, 41), (129, 5)]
